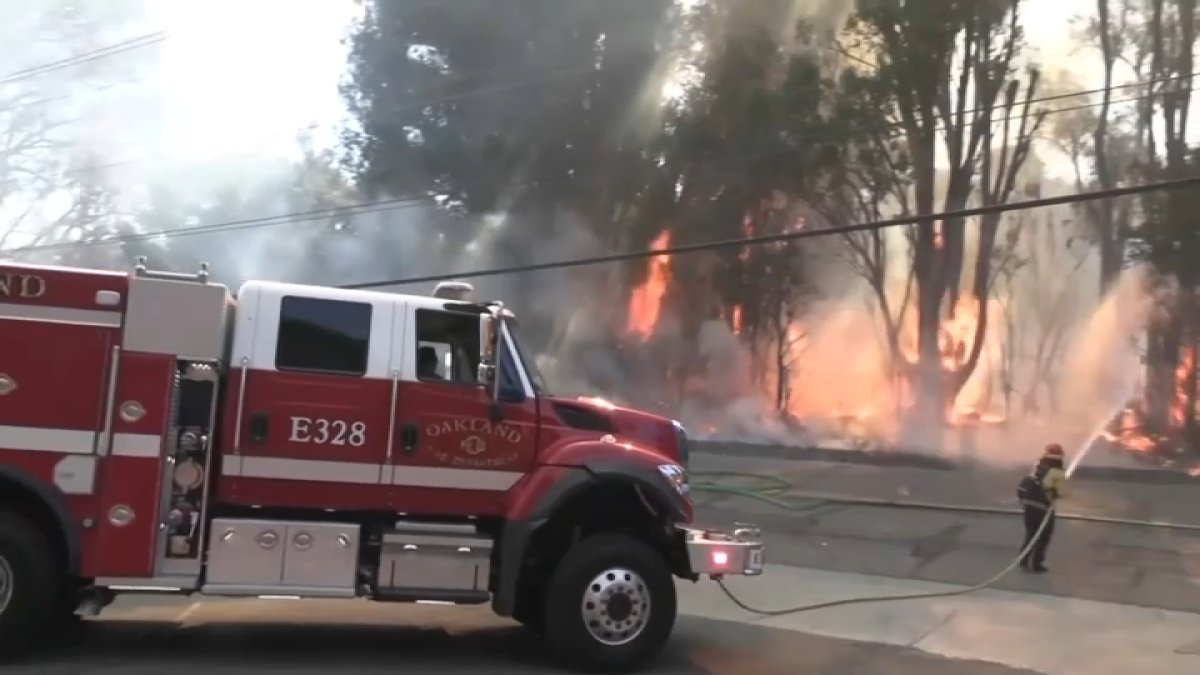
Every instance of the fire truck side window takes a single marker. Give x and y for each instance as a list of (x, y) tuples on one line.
[(447, 346), (327, 336), (510, 378)]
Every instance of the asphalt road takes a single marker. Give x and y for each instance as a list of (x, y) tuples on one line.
[(159, 635), (1128, 564), (1152, 567)]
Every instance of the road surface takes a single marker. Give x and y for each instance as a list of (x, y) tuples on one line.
[(1049, 624), (1118, 563), (152, 636)]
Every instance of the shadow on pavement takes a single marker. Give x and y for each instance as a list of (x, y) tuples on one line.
[(154, 647), (699, 647)]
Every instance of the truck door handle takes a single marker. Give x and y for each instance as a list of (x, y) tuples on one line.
[(258, 427), (410, 438)]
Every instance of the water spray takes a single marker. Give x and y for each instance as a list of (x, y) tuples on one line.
[(1084, 449), (1088, 442)]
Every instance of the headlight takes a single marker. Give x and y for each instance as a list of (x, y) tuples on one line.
[(681, 441), (677, 476)]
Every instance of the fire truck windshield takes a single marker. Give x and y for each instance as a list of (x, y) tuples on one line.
[(535, 375)]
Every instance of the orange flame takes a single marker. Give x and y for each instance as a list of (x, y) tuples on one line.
[(1183, 372), (645, 305)]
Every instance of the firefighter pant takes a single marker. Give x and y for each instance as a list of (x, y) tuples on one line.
[(1033, 520)]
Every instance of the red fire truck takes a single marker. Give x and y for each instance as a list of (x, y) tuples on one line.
[(160, 434)]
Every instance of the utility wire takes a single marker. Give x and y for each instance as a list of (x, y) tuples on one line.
[(791, 236), (245, 224), (362, 208), (87, 57), (778, 147), (583, 70), (787, 145)]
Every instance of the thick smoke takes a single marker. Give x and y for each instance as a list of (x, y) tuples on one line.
[(1057, 361)]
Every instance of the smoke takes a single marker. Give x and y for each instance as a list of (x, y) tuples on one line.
[(1057, 359)]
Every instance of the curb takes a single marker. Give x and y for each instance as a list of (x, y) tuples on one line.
[(815, 454), (1150, 475), (961, 508)]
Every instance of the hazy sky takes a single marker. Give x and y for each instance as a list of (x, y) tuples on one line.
[(244, 75)]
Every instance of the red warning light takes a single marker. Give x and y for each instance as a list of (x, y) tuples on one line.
[(720, 558)]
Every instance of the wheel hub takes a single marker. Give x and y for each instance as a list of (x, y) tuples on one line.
[(616, 606), (6, 584)]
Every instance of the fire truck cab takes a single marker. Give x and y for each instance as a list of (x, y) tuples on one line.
[(160, 434)]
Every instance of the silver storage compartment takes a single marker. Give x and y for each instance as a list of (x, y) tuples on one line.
[(321, 555), (433, 560), (246, 552)]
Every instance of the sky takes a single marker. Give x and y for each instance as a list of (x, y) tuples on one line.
[(241, 76)]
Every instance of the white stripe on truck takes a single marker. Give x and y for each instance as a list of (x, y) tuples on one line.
[(363, 473), (88, 317), (76, 442)]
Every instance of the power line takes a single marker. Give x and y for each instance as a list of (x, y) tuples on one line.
[(364, 208), (790, 236), (775, 149), (87, 57), (788, 144), (493, 88), (372, 207)]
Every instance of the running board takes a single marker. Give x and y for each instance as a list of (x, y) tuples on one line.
[(425, 595)]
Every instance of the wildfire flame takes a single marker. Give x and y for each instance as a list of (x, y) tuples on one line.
[(1183, 398), (849, 385), (646, 303)]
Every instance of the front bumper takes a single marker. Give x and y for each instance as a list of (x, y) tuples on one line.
[(718, 554)]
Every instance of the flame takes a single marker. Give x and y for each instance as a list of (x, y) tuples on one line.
[(737, 320), (1183, 373), (645, 305), (1131, 431), (1129, 434)]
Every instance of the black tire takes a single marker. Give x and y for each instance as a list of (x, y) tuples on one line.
[(567, 630), (26, 615), (532, 617)]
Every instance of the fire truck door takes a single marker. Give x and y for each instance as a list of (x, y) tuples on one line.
[(457, 449), (317, 403)]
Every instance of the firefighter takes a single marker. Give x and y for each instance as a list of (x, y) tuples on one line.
[(1038, 492), (427, 364)]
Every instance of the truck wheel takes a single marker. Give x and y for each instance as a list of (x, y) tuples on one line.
[(27, 581), (610, 604)]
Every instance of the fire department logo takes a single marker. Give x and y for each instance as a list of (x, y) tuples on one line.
[(472, 445)]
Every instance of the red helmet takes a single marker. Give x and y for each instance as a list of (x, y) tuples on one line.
[(1054, 450)]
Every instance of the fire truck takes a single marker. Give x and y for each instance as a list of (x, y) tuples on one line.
[(160, 434)]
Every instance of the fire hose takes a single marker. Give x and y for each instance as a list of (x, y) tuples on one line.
[(772, 493)]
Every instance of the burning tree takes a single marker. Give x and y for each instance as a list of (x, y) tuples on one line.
[(1146, 140), (948, 74)]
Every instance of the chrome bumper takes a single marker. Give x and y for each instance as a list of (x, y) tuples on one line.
[(718, 554)]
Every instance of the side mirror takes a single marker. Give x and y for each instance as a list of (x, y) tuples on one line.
[(485, 375)]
